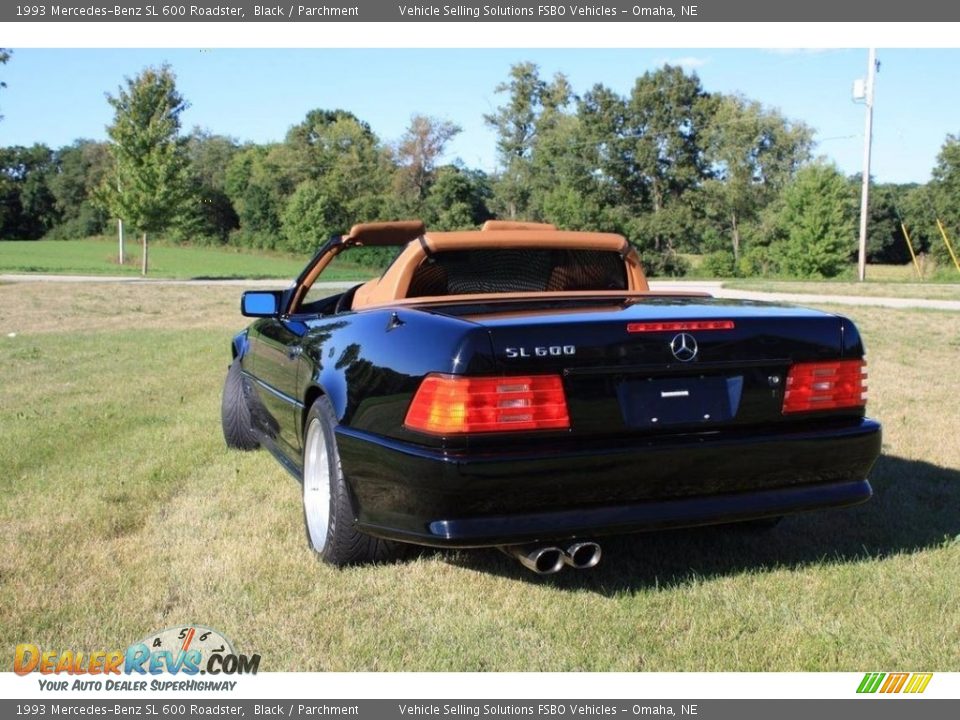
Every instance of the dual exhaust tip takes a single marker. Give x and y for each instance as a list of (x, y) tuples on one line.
[(549, 559)]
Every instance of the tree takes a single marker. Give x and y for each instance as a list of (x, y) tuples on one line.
[(311, 132), (752, 153), (885, 239), (339, 147), (650, 159), (150, 188), (458, 199), (944, 191), (258, 182), (81, 168), (27, 207), (564, 187), (345, 157), (211, 217), (312, 217), (4, 57), (818, 223), (571, 209), (918, 215), (417, 153), (533, 107)]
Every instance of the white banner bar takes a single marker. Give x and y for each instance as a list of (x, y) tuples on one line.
[(450, 686)]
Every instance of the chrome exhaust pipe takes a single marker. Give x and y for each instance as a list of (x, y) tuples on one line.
[(582, 555), (541, 559)]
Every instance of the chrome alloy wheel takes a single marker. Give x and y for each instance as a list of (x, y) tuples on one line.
[(316, 486)]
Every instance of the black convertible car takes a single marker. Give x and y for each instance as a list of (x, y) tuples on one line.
[(522, 387)]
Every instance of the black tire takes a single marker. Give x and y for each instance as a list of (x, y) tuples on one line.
[(235, 412), (333, 539)]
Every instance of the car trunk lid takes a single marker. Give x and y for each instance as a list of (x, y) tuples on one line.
[(659, 364)]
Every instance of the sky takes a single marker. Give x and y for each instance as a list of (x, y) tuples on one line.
[(56, 96)]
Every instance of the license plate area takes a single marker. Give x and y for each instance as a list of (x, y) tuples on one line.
[(651, 403)]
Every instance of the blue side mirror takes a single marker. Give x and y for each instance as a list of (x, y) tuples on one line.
[(257, 303)]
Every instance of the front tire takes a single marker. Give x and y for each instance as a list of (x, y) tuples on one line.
[(327, 512), (235, 411)]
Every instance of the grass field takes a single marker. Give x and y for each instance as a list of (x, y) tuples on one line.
[(121, 513), (99, 257), (871, 288), (941, 283)]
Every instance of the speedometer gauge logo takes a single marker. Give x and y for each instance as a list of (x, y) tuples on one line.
[(206, 641)]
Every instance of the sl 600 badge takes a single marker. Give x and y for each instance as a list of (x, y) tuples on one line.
[(542, 351)]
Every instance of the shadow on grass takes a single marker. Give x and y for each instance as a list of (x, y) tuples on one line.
[(914, 508)]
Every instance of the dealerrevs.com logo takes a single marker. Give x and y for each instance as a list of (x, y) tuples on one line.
[(187, 650), (895, 682)]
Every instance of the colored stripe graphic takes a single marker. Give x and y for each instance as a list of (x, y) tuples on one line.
[(918, 683), (870, 682), (894, 682)]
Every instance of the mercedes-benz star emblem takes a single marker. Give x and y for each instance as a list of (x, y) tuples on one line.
[(684, 347)]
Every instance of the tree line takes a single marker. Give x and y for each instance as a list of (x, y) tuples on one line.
[(676, 169)]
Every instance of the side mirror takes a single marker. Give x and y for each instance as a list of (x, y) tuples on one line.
[(259, 303)]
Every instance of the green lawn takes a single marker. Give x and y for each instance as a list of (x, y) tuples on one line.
[(870, 288), (99, 257), (121, 512), (940, 283)]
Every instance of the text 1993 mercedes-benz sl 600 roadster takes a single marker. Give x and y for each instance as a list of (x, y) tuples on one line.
[(521, 387)]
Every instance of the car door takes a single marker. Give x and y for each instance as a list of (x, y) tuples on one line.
[(277, 345)]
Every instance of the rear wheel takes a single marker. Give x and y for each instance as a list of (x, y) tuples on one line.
[(327, 512), (235, 411)]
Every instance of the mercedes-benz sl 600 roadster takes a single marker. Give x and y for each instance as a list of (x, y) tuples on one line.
[(522, 387)]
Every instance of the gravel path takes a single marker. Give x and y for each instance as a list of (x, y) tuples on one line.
[(714, 288)]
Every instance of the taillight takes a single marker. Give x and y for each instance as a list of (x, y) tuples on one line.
[(679, 326), (451, 404), (830, 385)]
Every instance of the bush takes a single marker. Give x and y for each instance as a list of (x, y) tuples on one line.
[(373, 257), (244, 238), (757, 261), (818, 222), (311, 218), (720, 264), (663, 264), (87, 223)]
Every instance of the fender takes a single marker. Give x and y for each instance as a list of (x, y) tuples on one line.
[(850, 339), (319, 378), (240, 345), (333, 384)]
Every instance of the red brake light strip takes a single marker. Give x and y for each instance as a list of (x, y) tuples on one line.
[(680, 326)]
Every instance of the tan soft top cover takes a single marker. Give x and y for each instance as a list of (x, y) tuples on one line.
[(395, 282)]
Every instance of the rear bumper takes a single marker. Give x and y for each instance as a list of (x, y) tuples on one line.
[(425, 496)]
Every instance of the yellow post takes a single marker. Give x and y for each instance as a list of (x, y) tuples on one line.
[(943, 234), (906, 236)]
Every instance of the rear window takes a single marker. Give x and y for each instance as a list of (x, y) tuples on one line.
[(500, 270)]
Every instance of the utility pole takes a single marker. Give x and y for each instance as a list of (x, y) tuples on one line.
[(867, 143), (119, 219)]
